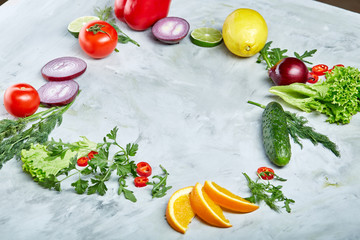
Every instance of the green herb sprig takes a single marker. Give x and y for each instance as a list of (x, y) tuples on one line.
[(106, 14), (268, 193), (272, 56), (16, 135), (159, 189)]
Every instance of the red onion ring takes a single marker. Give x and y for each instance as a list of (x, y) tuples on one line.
[(63, 68), (170, 29), (58, 93)]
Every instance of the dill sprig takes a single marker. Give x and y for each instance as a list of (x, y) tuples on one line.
[(16, 135)]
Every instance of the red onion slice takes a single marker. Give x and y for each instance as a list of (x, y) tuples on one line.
[(58, 93), (63, 68), (171, 29)]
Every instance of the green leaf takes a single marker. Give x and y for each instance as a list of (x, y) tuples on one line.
[(127, 193), (97, 187), (50, 182), (131, 149), (159, 189), (80, 186)]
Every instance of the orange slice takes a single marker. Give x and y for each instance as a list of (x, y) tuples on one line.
[(206, 209), (179, 212), (227, 199)]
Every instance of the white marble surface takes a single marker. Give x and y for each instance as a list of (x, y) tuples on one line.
[(188, 104)]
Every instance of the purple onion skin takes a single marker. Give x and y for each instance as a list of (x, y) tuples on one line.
[(289, 70)]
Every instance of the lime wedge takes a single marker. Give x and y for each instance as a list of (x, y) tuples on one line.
[(75, 26), (206, 37)]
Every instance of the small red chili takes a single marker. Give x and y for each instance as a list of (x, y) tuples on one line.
[(319, 69), (91, 154), (265, 173), (140, 181), (312, 78), (143, 169), (83, 161)]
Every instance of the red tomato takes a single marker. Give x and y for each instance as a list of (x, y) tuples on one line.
[(98, 39), (143, 169), (319, 69), (140, 181), (21, 100), (83, 161), (313, 78), (265, 173), (91, 154)]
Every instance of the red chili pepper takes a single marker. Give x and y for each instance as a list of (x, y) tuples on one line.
[(141, 14), (143, 169), (140, 181), (265, 173), (319, 69), (83, 161), (312, 78), (91, 154)]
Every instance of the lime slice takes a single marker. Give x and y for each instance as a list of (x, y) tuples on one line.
[(206, 37), (75, 26)]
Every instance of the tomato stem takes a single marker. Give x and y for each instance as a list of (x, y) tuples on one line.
[(95, 29)]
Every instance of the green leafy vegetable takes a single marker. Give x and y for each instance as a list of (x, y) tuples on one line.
[(16, 135), (272, 56), (106, 14), (337, 97), (159, 189), (297, 129), (268, 193)]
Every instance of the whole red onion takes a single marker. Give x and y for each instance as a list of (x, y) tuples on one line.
[(289, 70)]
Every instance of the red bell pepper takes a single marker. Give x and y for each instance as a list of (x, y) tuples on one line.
[(141, 14)]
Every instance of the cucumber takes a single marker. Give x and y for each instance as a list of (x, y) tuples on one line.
[(275, 134)]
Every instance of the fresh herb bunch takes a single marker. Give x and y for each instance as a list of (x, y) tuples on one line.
[(297, 129), (16, 135), (159, 189), (106, 15), (268, 193), (272, 56)]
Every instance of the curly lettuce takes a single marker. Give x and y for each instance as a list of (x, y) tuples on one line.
[(338, 97)]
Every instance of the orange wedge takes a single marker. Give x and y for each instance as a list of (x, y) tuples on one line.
[(179, 212), (206, 209), (227, 199)]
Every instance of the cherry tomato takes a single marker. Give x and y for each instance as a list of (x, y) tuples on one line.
[(83, 161), (140, 181), (98, 39), (91, 154), (143, 169), (319, 69), (265, 173), (21, 100), (313, 78)]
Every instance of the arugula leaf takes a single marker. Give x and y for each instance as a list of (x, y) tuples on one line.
[(127, 193), (159, 189)]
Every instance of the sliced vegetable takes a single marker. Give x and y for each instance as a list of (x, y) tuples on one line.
[(75, 26), (21, 100), (319, 69), (265, 173), (289, 70), (313, 78), (63, 68), (206, 37), (98, 39), (83, 161), (140, 181), (171, 29), (92, 154), (58, 93), (143, 169)]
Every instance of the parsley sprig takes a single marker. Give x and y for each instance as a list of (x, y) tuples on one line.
[(271, 56), (16, 135), (106, 15), (269, 193)]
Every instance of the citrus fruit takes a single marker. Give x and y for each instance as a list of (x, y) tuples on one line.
[(75, 26), (179, 212), (206, 208), (244, 32), (206, 37), (227, 199)]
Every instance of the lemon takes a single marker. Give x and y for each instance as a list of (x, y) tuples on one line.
[(75, 26), (244, 32)]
